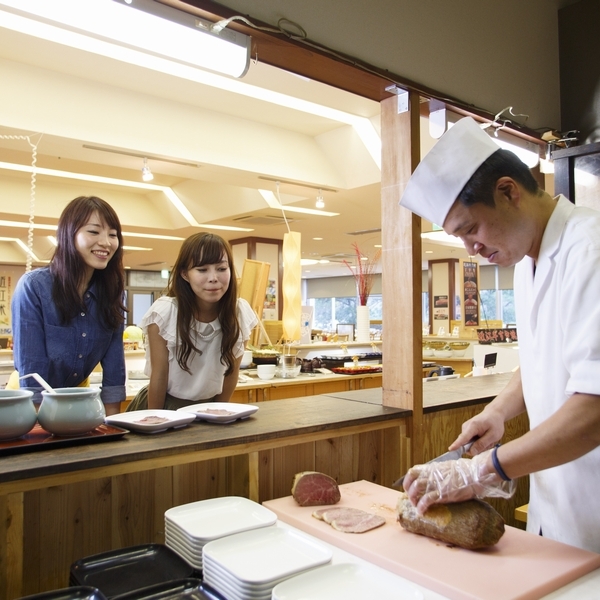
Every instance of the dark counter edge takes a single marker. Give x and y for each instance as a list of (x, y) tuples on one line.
[(133, 447)]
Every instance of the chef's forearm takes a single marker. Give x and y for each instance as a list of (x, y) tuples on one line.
[(571, 432)]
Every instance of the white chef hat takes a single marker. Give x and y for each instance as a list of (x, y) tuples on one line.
[(443, 173)]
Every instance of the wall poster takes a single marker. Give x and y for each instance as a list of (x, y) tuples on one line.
[(441, 308), (471, 293)]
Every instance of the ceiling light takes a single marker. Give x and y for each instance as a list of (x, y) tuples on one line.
[(146, 172), (144, 27), (272, 201), (320, 203)]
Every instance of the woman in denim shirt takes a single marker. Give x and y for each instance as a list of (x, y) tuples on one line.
[(69, 317)]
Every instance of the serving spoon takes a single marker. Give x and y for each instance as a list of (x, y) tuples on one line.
[(40, 380)]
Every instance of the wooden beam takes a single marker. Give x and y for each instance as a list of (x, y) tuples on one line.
[(401, 268)]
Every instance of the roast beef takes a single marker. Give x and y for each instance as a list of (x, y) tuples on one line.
[(311, 488), (472, 524)]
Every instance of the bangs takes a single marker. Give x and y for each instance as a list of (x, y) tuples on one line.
[(211, 252)]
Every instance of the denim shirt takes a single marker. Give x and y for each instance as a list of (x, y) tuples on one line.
[(63, 354)]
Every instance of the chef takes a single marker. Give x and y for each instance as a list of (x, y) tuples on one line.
[(488, 198)]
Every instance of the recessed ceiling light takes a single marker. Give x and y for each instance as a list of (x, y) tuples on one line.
[(317, 239)]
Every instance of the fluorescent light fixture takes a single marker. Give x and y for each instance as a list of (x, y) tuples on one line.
[(528, 152), (142, 26), (272, 201), (441, 237), (167, 191), (18, 16), (21, 245), (151, 236), (137, 248)]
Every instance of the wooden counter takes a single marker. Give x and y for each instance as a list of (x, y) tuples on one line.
[(59, 505)]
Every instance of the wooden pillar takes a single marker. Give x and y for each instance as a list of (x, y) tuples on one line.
[(401, 271)]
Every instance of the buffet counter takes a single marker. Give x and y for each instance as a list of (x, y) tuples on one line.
[(61, 504), (58, 505)]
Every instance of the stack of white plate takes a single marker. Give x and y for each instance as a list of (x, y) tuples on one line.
[(248, 565), (190, 526)]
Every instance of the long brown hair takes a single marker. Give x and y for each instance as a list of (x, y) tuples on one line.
[(68, 267), (197, 250)]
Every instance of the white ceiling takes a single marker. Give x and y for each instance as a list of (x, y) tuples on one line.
[(231, 145)]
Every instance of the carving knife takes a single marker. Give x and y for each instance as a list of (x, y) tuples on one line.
[(451, 455)]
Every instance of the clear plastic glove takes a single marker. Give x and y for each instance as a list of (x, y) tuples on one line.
[(455, 481)]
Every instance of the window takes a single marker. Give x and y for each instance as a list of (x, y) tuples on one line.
[(329, 312)]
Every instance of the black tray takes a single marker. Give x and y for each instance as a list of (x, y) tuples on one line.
[(182, 589), (72, 593), (128, 569), (39, 439)]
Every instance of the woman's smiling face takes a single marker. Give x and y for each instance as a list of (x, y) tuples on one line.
[(209, 281), (96, 242)]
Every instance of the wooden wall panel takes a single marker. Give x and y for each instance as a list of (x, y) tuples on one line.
[(62, 527), (445, 426)]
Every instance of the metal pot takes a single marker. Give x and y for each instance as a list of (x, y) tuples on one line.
[(440, 371)]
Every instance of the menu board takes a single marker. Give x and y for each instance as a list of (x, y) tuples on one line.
[(470, 282)]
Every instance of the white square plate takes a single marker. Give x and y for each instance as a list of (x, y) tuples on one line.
[(220, 412), (267, 554), (346, 581), (131, 420), (207, 520)]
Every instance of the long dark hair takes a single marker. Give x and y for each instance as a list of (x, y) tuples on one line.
[(197, 250), (68, 267)]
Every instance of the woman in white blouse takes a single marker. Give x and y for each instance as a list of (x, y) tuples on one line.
[(197, 333)]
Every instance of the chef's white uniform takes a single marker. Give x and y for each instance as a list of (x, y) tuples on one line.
[(558, 320)]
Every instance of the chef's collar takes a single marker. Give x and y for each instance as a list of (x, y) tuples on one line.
[(447, 167)]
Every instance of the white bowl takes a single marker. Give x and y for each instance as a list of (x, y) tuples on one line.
[(265, 371), (17, 413), (71, 411), (458, 352), (442, 353)]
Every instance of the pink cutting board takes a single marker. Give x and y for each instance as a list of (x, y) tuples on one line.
[(522, 566)]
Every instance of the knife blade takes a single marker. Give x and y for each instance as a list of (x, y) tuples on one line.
[(450, 455)]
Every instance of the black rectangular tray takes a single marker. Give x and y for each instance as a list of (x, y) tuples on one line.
[(121, 571), (72, 593), (39, 439), (182, 589)]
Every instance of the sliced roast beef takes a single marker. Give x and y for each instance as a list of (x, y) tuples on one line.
[(348, 519), (311, 488)]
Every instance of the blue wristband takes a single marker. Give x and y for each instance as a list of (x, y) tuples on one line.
[(497, 465)]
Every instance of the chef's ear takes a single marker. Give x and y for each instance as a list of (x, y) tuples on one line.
[(507, 189)]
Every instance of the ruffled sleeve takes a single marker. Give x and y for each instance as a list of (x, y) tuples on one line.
[(162, 313)]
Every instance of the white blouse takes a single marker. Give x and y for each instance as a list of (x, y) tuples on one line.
[(207, 371)]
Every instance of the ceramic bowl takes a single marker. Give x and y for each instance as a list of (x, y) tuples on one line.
[(442, 353), (71, 411), (266, 372), (459, 348), (436, 344), (246, 359), (17, 413)]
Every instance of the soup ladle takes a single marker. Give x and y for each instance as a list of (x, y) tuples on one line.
[(40, 380)]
